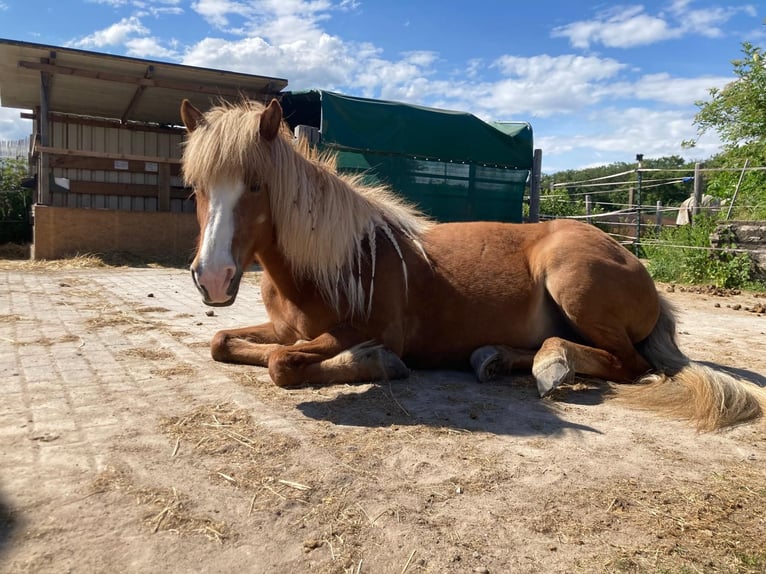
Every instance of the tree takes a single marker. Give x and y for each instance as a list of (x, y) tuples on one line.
[(14, 201), (737, 113)]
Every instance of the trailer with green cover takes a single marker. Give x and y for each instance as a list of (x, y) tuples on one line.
[(452, 165)]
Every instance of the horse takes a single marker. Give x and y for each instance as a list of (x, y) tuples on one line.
[(709, 205), (360, 286)]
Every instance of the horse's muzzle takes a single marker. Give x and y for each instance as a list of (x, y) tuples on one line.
[(231, 290)]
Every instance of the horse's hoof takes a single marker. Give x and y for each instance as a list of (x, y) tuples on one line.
[(393, 367), (552, 374), (487, 363)]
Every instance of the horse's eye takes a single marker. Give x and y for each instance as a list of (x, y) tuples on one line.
[(255, 188)]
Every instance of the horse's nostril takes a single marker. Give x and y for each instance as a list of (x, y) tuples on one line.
[(194, 276), (201, 288)]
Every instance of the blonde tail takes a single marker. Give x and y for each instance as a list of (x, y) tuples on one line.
[(710, 398)]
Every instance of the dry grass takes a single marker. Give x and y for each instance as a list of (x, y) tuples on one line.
[(143, 310), (87, 261), (147, 354), (179, 370), (50, 341), (164, 508), (112, 317), (18, 260), (227, 430), (717, 524), (14, 251), (199, 345), (15, 318)]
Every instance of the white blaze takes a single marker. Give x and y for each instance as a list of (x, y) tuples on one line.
[(215, 258)]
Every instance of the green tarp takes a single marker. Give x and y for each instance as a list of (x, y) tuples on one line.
[(453, 165)]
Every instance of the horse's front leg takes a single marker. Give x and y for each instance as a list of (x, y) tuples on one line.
[(249, 345), (339, 356)]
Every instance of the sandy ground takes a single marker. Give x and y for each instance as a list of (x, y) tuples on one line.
[(125, 448)]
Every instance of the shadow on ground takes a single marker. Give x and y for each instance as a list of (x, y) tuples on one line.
[(455, 400), (8, 524), (744, 374)]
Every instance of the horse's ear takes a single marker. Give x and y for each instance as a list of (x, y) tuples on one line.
[(190, 115), (271, 119)]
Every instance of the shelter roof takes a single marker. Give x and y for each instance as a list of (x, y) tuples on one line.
[(116, 87)]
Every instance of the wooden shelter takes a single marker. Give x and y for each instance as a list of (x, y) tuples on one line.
[(106, 145)]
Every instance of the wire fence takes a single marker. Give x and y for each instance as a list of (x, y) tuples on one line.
[(635, 225), (624, 232), (14, 149)]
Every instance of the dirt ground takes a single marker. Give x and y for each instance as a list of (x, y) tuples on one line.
[(125, 448)]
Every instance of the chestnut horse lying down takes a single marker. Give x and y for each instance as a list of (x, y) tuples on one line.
[(359, 286)]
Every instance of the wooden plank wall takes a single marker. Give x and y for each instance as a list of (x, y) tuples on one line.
[(133, 186)]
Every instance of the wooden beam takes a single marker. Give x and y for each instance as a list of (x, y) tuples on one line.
[(125, 189), (146, 82), (99, 154), (107, 123), (70, 161), (136, 95)]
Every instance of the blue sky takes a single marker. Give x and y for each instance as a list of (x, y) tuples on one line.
[(598, 81)]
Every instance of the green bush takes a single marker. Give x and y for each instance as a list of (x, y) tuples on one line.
[(15, 202), (681, 255)]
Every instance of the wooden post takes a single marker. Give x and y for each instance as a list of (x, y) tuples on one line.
[(698, 185), (638, 207), (588, 207), (631, 197), (43, 165), (658, 218), (534, 186)]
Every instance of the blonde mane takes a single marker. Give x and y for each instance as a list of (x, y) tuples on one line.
[(323, 219)]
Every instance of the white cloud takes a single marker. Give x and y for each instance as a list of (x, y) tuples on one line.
[(544, 85), (148, 48), (217, 12), (666, 89), (618, 29), (626, 27), (115, 3), (557, 69), (707, 22), (618, 134), (326, 61), (167, 7), (12, 126), (114, 35)]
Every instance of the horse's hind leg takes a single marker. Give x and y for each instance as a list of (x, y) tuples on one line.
[(493, 361), (558, 360)]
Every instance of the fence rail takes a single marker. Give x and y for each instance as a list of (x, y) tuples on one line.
[(622, 224)]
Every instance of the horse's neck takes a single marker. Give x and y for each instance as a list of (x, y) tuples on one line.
[(274, 263), (318, 217), (332, 242)]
